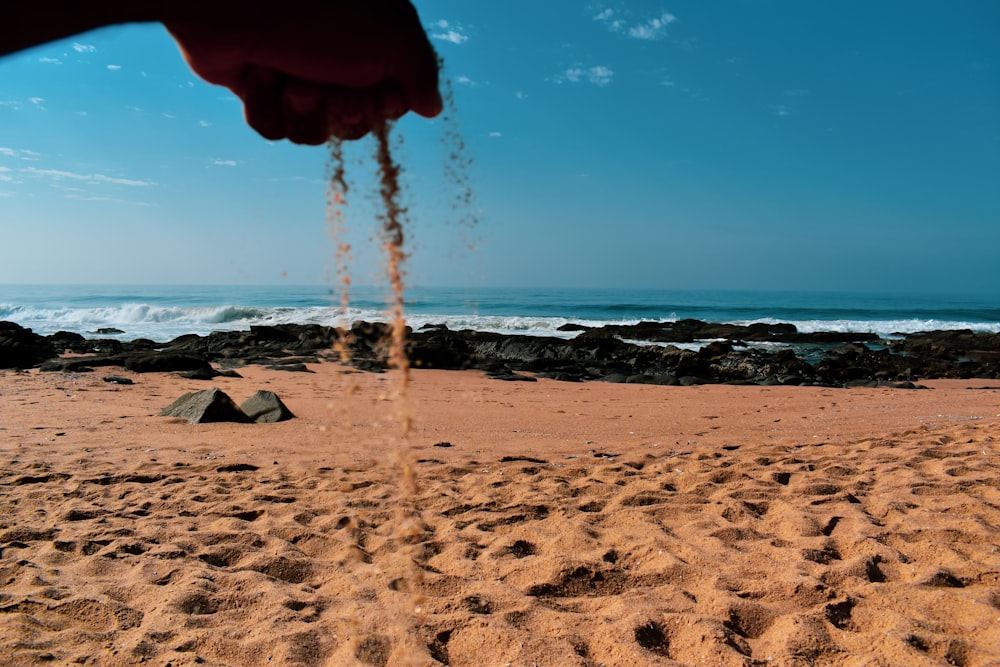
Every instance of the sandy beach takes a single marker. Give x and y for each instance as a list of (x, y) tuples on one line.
[(519, 523)]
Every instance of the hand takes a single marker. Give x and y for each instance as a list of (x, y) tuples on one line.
[(309, 70)]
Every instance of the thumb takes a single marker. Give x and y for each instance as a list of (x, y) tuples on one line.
[(418, 81)]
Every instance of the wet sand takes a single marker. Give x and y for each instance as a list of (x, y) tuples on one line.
[(552, 524)]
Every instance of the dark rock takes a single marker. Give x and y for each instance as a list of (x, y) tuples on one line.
[(117, 379), (109, 331), (203, 373), (293, 368), (64, 341), (202, 407), (22, 348), (64, 366), (140, 344), (830, 359), (104, 346), (563, 376), (570, 326), (265, 407), (715, 350), (164, 362), (512, 377), (80, 364)]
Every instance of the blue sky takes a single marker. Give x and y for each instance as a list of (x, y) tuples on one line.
[(677, 145)]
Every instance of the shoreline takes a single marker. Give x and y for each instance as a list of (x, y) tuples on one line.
[(711, 524)]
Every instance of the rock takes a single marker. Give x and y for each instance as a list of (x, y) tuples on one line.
[(265, 407), (64, 341), (117, 379), (571, 326), (203, 373), (22, 348), (109, 331), (202, 407), (165, 362), (292, 368), (825, 358), (512, 377)]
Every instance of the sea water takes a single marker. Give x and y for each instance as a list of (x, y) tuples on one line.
[(163, 312)]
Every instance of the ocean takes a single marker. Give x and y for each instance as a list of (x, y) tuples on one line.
[(161, 312)]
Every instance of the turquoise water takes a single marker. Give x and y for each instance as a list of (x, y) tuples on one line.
[(164, 312)]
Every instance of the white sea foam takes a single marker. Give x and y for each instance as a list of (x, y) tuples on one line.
[(163, 322), (884, 328)]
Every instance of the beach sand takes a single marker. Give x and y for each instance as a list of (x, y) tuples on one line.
[(551, 524)]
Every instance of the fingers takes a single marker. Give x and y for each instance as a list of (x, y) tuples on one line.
[(303, 112), (417, 70), (419, 85), (261, 91)]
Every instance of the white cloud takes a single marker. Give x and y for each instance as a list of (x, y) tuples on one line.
[(88, 198), (204, 123), (521, 95), (452, 36), (84, 48), (80, 113), (3, 169), (10, 104), (90, 178), (24, 153), (169, 115), (449, 32), (106, 198), (114, 68), (466, 81), (599, 75), (650, 29), (224, 163), (496, 134), (654, 28), (50, 61), (781, 110), (37, 101)]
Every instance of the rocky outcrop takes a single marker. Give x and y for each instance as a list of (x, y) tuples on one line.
[(647, 352), (22, 348)]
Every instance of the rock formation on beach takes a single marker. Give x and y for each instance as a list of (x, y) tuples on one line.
[(647, 352)]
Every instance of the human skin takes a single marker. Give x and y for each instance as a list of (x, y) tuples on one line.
[(305, 70)]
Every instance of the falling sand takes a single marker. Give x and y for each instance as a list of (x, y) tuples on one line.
[(409, 528)]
